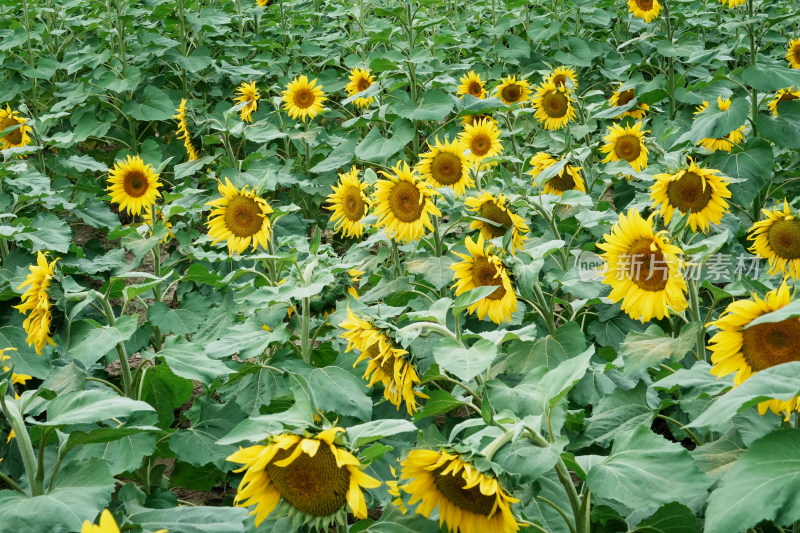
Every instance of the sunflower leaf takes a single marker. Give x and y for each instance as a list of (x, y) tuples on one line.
[(791, 310)]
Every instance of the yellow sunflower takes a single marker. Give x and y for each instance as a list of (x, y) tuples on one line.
[(394, 491), (349, 204), (469, 120), (784, 95), (360, 80), (626, 143), (621, 98), (471, 83), (183, 131), (16, 379), (239, 217), (697, 191), (107, 525), (386, 363), (644, 9), (482, 139), (733, 3), (496, 209), (569, 179), (561, 76), (446, 166), (18, 137), (793, 53), (553, 105), (479, 268), (643, 269), (469, 501), (777, 239), (147, 215), (36, 300), (262, 3), (513, 91), (309, 479), (133, 185), (303, 98), (727, 142), (404, 204), (750, 350), (248, 95)]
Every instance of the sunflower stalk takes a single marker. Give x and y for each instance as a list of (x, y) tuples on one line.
[(694, 309), (751, 32), (497, 443), (670, 62), (127, 379), (14, 417)]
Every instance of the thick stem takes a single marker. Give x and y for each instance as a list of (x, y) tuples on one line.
[(497, 443), (305, 348), (24, 443), (694, 309), (547, 312), (127, 379)]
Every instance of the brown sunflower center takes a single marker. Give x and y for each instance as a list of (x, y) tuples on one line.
[(770, 344), (243, 217), (560, 79), (473, 119), (628, 147), (387, 364), (446, 168), (452, 487), (784, 239), (484, 273), (480, 144), (555, 104), (562, 182), (645, 5), (796, 52), (353, 205), (786, 97), (135, 183), (691, 192), (491, 211), (363, 84), (475, 89), (15, 137), (304, 98), (313, 485), (645, 267), (625, 97), (406, 202), (512, 93)]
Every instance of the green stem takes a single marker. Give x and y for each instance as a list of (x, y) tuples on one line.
[(106, 383), (688, 431), (10, 482), (24, 443), (694, 309), (546, 311), (396, 258), (305, 348), (127, 379), (430, 326), (497, 443), (670, 63), (560, 511), (437, 239), (753, 60)]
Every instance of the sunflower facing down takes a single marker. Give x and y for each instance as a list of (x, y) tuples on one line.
[(446, 166), (16, 379), (36, 301), (562, 77), (784, 95), (553, 105), (469, 120), (309, 479), (777, 239), (748, 351), (482, 139), (16, 138), (626, 143), (133, 185), (496, 209), (360, 80), (471, 83), (793, 53), (569, 179), (721, 143), (643, 269), (404, 204), (240, 218), (513, 91), (621, 98), (349, 204), (646, 10), (248, 95), (183, 131), (697, 191), (303, 99), (469, 501)]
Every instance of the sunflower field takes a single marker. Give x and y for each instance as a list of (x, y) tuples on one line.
[(396, 266)]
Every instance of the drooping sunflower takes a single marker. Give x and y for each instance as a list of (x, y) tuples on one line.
[(695, 190), (480, 268), (133, 185), (107, 525), (183, 131), (310, 479), (471, 83), (513, 91), (248, 95), (646, 10), (562, 76), (621, 98), (784, 95), (349, 204), (482, 139), (239, 217), (553, 104), (748, 351), (496, 209), (793, 53), (303, 98), (16, 379), (18, 137), (469, 120), (733, 3), (386, 363), (722, 143), (469, 501), (569, 179), (626, 143), (36, 301), (777, 239), (404, 204), (643, 269), (360, 80), (446, 166)]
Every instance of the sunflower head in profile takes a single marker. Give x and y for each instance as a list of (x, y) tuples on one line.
[(793, 53), (784, 95), (695, 190), (563, 77), (133, 185), (404, 204), (496, 210), (777, 239), (569, 179), (240, 217), (349, 204), (446, 166), (621, 98), (727, 142), (643, 269), (646, 10), (303, 99), (18, 137), (248, 95), (468, 500), (469, 120), (482, 139), (183, 131), (747, 350), (733, 3), (471, 83), (36, 301), (309, 478), (553, 104), (16, 379), (360, 80), (513, 91), (626, 143)]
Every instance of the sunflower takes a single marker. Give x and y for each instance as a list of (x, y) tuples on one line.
[(16, 379), (722, 143), (784, 95), (360, 80), (621, 98), (643, 269), (349, 204), (183, 131), (404, 204), (248, 95), (561, 75), (133, 185), (793, 53), (733, 3), (471, 83), (310, 479), (513, 91), (107, 525), (446, 166), (750, 350), (303, 99), (16, 138), (482, 139), (469, 120), (495, 209), (479, 268), (468, 500), (644, 9), (36, 300), (386, 362), (777, 239), (355, 277), (147, 215), (240, 217), (626, 143), (394, 491), (262, 3), (569, 179), (553, 105), (697, 191)]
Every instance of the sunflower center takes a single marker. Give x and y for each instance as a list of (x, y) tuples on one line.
[(555, 104), (770, 344), (689, 193), (785, 97), (15, 137), (304, 98), (475, 89), (560, 79), (562, 182), (647, 268), (406, 202), (784, 238), (625, 97), (480, 145), (363, 84), (313, 485), (645, 5), (452, 488), (484, 273), (446, 168), (135, 184), (243, 217), (628, 147), (491, 211), (797, 53), (512, 93), (352, 204)]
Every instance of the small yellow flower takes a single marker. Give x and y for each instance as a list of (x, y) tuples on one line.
[(513, 91), (626, 143), (37, 301), (360, 80), (248, 95), (303, 99), (471, 83), (793, 53)]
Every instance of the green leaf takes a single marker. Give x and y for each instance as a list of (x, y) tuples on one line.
[(547, 351), (165, 391), (177, 321), (377, 429), (191, 362), (435, 270), (394, 521), (335, 389), (716, 457), (156, 105), (770, 76), (46, 232), (255, 387), (640, 351), (89, 406), (783, 130), (464, 363), (197, 445), (557, 382), (751, 165), (621, 411), (89, 341), (440, 402), (714, 123), (376, 148), (671, 518), (526, 461), (465, 299), (434, 104), (82, 163), (121, 455), (192, 519), (786, 312)]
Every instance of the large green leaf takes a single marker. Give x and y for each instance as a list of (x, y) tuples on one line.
[(770, 76), (621, 411), (750, 165), (197, 445), (714, 123), (89, 341), (375, 147), (547, 351), (165, 391), (335, 389), (121, 455), (434, 104), (89, 406), (155, 105), (462, 361), (640, 351), (192, 519), (783, 130)]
